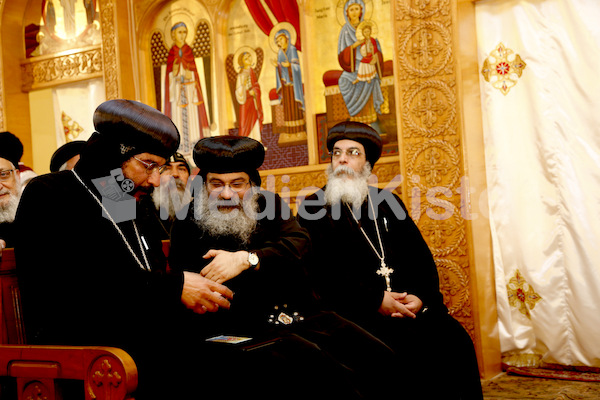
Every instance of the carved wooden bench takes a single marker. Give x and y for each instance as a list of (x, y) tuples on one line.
[(39, 372)]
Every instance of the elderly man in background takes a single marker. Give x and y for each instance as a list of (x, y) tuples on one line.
[(11, 150), (173, 192)]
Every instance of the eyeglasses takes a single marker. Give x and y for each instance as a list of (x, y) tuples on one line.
[(218, 186), (152, 166), (5, 174), (352, 152)]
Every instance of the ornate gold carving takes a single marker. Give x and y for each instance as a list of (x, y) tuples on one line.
[(109, 49), (454, 285), (431, 148), (425, 49), (429, 109), (447, 236), (422, 9), (388, 172), (276, 182), (436, 160), (48, 71)]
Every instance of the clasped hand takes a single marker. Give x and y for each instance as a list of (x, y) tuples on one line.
[(204, 292), (203, 295), (400, 305), (225, 265)]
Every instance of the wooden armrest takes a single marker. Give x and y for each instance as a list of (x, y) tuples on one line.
[(107, 373)]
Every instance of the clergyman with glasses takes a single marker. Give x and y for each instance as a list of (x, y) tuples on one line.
[(87, 279), (11, 150), (371, 265), (230, 236)]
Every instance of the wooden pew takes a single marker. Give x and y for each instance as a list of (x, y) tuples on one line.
[(39, 372)]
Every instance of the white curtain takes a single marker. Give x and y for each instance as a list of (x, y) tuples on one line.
[(74, 106), (542, 142)]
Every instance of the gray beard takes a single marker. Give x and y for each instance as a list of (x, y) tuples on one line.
[(8, 210), (239, 223), (170, 197), (347, 186)]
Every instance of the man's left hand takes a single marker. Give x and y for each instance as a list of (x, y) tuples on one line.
[(410, 301), (225, 265), (400, 305)]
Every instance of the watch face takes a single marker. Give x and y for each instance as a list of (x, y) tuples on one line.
[(253, 259)]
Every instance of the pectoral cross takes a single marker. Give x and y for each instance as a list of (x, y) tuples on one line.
[(385, 272)]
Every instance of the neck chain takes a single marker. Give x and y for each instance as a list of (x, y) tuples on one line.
[(145, 267), (384, 270)]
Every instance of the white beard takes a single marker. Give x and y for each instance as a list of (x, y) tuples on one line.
[(238, 223), (8, 210), (346, 185), (171, 196)]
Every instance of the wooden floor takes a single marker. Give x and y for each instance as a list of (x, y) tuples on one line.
[(512, 387)]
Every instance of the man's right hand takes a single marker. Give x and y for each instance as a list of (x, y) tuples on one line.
[(203, 295)]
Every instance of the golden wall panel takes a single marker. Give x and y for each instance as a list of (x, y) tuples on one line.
[(109, 48), (431, 149), (68, 67)]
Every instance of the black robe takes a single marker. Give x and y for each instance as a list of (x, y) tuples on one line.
[(323, 357), (343, 272), (280, 244), (7, 233), (81, 285)]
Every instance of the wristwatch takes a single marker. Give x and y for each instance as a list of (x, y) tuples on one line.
[(253, 260)]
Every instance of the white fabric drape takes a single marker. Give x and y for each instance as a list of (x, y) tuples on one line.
[(542, 144), (78, 101)]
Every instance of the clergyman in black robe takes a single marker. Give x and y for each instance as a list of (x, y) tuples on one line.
[(372, 266), (92, 271)]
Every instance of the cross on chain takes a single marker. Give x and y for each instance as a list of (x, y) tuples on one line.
[(385, 271)]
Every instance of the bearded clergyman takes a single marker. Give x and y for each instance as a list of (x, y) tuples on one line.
[(173, 194), (246, 238), (371, 265), (11, 150), (91, 268)]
